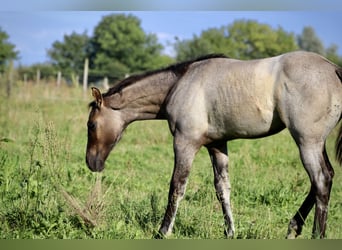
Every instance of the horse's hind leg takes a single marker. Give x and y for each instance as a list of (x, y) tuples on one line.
[(219, 159), (320, 171), (297, 222)]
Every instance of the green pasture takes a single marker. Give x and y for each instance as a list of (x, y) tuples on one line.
[(46, 190)]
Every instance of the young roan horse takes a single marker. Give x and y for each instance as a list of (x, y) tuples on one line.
[(214, 99)]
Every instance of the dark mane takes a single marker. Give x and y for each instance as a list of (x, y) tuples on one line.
[(178, 69)]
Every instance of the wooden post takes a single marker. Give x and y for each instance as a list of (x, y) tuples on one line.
[(38, 76), (10, 79), (85, 75), (25, 79), (59, 78), (74, 79), (105, 83)]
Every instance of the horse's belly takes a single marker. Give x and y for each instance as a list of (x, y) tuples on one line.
[(251, 122)]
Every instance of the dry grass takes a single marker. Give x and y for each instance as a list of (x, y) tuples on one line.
[(93, 210)]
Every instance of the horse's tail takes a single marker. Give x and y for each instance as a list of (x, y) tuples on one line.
[(339, 137), (339, 146), (339, 73)]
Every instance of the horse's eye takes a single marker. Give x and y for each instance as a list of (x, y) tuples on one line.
[(91, 125)]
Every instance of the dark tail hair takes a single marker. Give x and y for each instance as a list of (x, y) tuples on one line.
[(339, 73), (338, 145)]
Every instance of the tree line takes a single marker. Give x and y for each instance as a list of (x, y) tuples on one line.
[(119, 47)]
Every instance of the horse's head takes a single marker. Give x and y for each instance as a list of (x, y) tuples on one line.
[(105, 126)]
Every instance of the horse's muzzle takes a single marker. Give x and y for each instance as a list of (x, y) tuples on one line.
[(95, 163)]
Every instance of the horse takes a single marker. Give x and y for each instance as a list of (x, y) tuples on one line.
[(214, 99)]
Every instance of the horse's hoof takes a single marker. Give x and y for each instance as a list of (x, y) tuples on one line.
[(159, 236), (292, 234)]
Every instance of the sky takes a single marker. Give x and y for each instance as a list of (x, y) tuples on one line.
[(33, 32), (194, 5)]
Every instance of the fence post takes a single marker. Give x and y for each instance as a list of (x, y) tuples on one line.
[(85, 75), (59, 78), (38, 76), (105, 83), (25, 79), (10, 79)]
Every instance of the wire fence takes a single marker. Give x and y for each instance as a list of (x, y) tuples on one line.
[(13, 77)]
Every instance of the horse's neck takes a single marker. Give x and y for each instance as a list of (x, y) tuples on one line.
[(143, 100)]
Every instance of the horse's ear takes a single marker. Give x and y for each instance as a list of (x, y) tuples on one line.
[(98, 96)]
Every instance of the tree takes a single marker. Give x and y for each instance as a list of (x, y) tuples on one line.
[(309, 41), (7, 51), (243, 39), (119, 46), (250, 40), (69, 55), (331, 53), (210, 41)]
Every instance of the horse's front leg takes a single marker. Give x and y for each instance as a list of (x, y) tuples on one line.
[(184, 154)]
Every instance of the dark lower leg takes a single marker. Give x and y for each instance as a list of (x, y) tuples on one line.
[(297, 222), (219, 157), (324, 184), (319, 226), (174, 198), (184, 155)]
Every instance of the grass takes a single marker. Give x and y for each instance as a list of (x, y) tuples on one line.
[(46, 190)]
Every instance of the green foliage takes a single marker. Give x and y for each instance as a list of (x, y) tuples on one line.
[(42, 148), (249, 39), (120, 46), (244, 39), (7, 50), (309, 41), (332, 55), (68, 56), (210, 41)]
